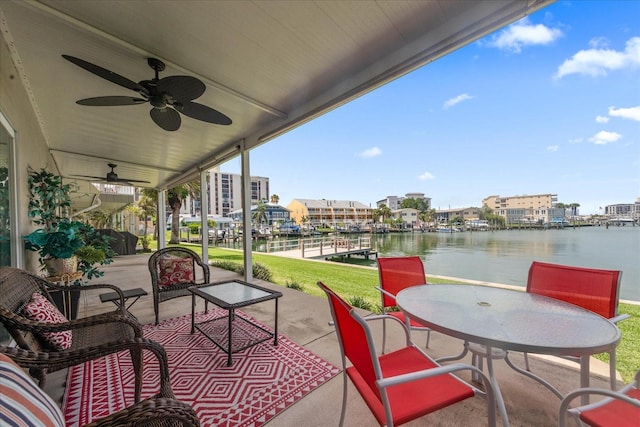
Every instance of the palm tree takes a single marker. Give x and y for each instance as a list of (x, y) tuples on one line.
[(260, 214), (275, 199), (175, 197)]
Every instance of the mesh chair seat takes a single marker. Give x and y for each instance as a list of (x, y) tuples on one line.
[(619, 408)]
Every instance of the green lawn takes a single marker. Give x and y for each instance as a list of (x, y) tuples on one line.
[(349, 280)]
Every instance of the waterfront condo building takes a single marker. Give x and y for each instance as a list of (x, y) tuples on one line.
[(325, 213), (527, 209)]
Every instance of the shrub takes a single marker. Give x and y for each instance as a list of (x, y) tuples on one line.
[(259, 271), (294, 285), (360, 302)]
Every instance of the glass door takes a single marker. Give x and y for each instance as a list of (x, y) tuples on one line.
[(8, 242)]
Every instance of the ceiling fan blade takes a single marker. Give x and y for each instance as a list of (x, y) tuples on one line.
[(182, 88), (204, 113), (100, 178), (126, 180), (106, 74), (111, 101), (167, 118)]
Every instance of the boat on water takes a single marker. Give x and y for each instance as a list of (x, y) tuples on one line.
[(448, 230)]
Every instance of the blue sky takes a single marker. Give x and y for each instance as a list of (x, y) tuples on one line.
[(550, 104)]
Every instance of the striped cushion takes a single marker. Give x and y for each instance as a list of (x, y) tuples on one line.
[(22, 403)]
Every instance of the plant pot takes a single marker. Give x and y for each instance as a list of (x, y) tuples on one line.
[(67, 303), (61, 266)]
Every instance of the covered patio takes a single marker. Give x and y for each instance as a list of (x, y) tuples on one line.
[(267, 66), (304, 319)]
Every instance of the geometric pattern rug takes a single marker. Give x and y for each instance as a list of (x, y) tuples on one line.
[(263, 380)]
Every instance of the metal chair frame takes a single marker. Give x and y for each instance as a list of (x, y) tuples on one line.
[(621, 395)]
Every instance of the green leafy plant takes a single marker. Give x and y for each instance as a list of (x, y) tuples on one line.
[(59, 236), (59, 241)]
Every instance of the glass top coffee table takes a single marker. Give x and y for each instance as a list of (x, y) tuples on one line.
[(230, 295)]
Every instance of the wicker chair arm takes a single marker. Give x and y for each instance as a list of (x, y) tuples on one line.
[(25, 324), (61, 359), (157, 411)]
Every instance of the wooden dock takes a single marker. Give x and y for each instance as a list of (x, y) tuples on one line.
[(326, 247)]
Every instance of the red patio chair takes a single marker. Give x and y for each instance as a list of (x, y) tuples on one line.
[(396, 274), (593, 289), (403, 385), (619, 409)]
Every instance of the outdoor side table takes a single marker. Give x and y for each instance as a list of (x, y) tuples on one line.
[(230, 295), (133, 294)]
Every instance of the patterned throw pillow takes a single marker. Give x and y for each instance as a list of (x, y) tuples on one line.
[(174, 270), (41, 310), (23, 402)]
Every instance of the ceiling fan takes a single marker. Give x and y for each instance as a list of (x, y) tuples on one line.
[(112, 177), (168, 96)]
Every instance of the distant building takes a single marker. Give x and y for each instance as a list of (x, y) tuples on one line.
[(624, 210), (467, 214), (395, 202), (527, 209), (330, 212), (276, 214), (225, 193), (410, 217)]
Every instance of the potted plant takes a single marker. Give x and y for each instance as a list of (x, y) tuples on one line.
[(56, 246), (63, 244)]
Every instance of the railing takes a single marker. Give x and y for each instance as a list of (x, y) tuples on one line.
[(320, 247)]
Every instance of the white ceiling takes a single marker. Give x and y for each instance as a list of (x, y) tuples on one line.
[(268, 65)]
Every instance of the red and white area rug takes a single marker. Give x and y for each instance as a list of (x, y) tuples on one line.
[(263, 381)]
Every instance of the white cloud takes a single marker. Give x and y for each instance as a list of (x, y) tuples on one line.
[(458, 99), (602, 119), (603, 137), (599, 42), (597, 62), (552, 148), (632, 113), (575, 140), (371, 152), (425, 176), (523, 33)]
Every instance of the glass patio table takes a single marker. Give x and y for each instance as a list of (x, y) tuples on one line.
[(231, 295), (511, 320)]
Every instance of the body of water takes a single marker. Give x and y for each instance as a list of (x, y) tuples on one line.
[(505, 256)]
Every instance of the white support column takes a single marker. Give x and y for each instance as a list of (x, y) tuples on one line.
[(204, 211), (247, 238), (162, 220)]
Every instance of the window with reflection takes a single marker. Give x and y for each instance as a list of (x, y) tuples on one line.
[(6, 141)]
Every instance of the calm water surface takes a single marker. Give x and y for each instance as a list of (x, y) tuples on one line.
[(505, 256)]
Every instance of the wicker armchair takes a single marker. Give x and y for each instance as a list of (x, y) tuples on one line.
[(92, 337), (161, 409), (164, 288)]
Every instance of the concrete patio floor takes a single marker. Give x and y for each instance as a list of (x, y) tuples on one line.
[(305, 319)]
